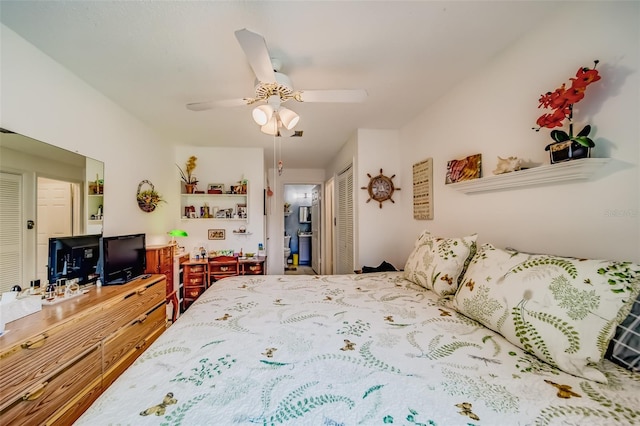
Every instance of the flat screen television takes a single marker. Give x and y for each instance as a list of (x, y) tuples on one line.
[(73, 257), (122, 258)]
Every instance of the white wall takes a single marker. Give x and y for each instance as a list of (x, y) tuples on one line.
[(226, 166), (42, 100), (378, 228), (493, 112)]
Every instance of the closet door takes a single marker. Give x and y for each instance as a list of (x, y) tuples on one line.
[(11, 242), (344, 223), (316, 230)]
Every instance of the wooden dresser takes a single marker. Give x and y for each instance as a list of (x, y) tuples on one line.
[(160, 261), (56, 362)]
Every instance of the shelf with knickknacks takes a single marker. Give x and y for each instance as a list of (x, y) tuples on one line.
[(227, 207), (569, 154), (95, 200)]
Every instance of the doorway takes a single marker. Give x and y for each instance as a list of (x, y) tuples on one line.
[(302, 229), (58, 214)]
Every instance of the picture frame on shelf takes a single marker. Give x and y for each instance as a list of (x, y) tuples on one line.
[(215, 188), (217, 234), (188, 210), (241, 211), (468, 168)]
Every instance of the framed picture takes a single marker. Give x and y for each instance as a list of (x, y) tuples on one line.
[(215, 188), (466, 169), (188, 210), (241, 211), (216, 234), (222, 214), (423, 190)]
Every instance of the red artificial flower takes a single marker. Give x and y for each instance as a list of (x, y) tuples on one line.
[(574, 95), (585, 77), (561, 100), (554, 100), (552, 120)]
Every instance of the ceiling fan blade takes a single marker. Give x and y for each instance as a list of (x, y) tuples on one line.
[(203, 106), (355, 95), (255, 49)]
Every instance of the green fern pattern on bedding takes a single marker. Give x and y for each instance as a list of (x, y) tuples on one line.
[(363, 350), (530, 339), (481, 307), (538, 262), (561, 309), (621, 276), (578, 303), (434, 349), (176, 416), (206, 370)]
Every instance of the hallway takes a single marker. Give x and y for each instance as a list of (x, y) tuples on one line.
[(299, 270)]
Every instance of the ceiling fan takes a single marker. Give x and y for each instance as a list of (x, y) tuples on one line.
[(274, 88)]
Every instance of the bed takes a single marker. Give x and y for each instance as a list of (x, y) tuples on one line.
[(354, 349)]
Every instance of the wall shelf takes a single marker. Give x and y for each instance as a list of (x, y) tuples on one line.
[(548, 174)]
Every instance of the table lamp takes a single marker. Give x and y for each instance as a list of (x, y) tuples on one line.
[(177, 233)]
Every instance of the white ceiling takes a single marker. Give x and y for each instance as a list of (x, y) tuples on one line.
[(154, 57)]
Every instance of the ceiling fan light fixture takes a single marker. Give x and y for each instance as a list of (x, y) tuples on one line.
[(271, 128), (262, 114), (288, 118)]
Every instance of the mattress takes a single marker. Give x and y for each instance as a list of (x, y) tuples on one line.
[(346, 350)]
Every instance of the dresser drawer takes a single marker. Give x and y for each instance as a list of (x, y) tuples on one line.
[(193, 292), (118, 314), (45, 353), (132, 334), (117, 366), (79, 383), (252, 268)]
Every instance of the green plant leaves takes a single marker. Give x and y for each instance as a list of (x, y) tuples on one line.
[(581, 137), (559, 135)]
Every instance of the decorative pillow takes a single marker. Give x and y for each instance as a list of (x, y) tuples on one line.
[(625, 346), (562, 310), (438, 264)]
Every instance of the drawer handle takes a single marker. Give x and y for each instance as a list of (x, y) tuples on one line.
[(35, 393), (141, 344), (142, 291), (35, 344), (142, 318)]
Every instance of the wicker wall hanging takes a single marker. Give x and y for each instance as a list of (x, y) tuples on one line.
[(148, 199)]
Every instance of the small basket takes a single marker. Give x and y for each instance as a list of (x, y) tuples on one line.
[(147, 204)]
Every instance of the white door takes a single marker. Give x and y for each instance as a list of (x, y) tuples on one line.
[(328, 228), (11, 238), (316, 225), (55, 217), (344, 225)]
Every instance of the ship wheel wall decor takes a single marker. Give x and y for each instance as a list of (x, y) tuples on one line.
[(380, 188)]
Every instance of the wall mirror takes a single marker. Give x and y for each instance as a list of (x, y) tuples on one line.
[(45, 191)]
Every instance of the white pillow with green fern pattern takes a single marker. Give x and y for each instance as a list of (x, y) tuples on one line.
[(561, 309), (437, 264)]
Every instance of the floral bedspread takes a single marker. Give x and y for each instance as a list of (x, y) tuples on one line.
[(367, 349)]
